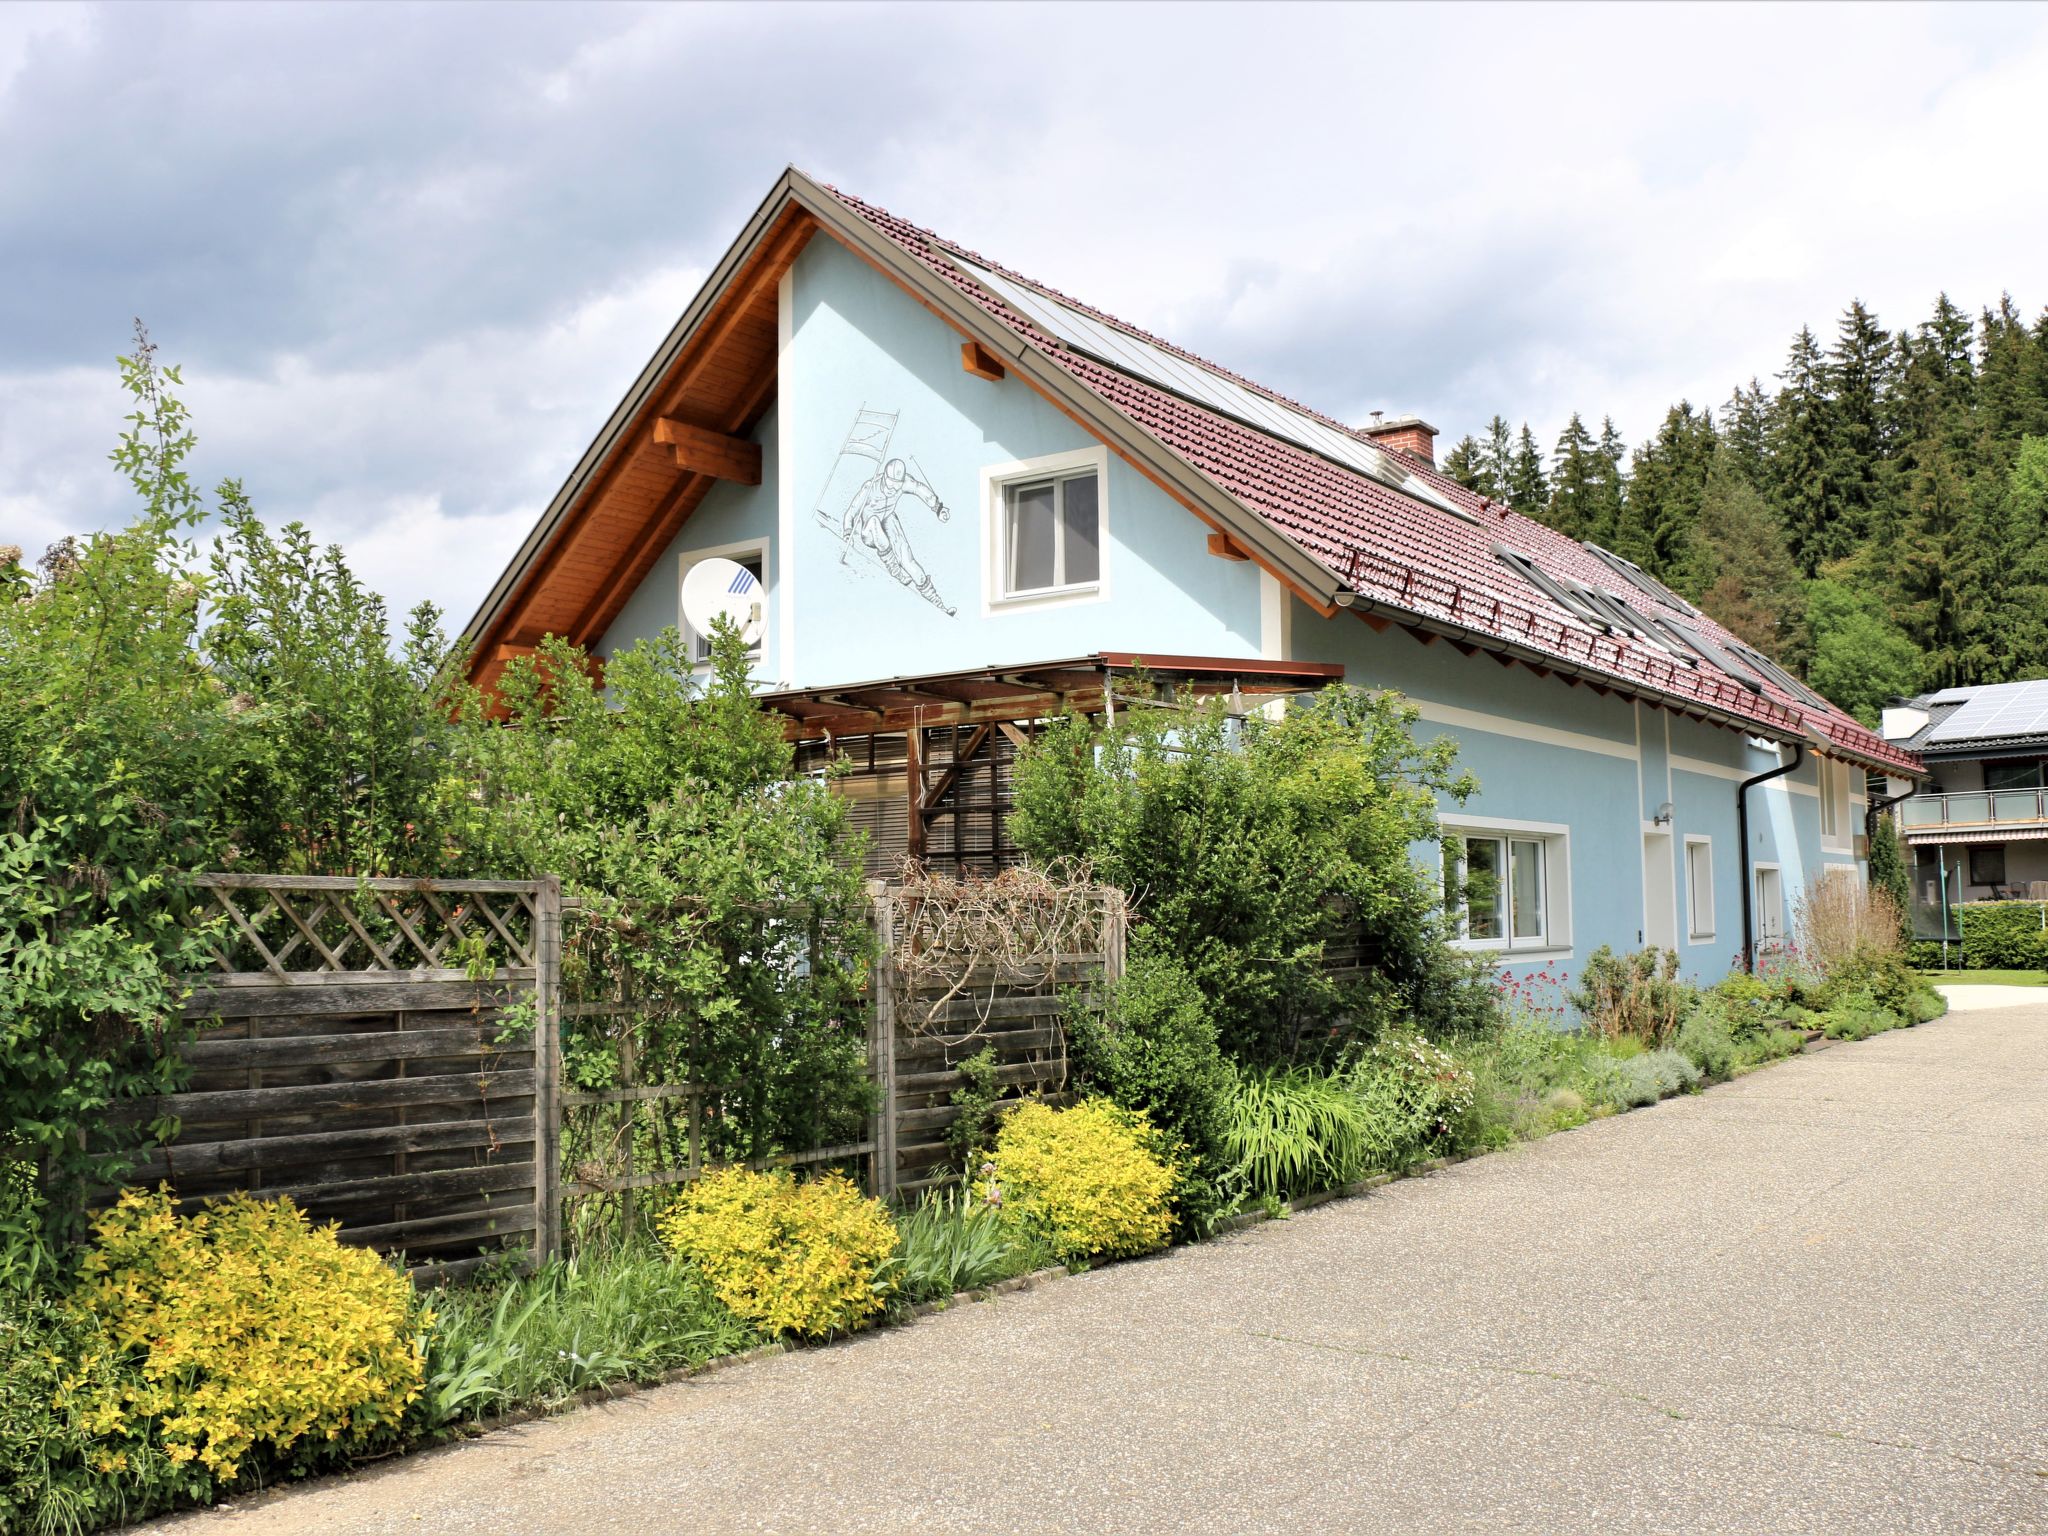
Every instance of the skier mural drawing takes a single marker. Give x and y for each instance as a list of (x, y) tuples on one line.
[(874, 485)]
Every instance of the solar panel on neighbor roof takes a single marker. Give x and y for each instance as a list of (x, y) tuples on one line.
[(1193, 382), (2004, 709)]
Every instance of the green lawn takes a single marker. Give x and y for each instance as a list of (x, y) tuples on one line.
[(1988, 978)]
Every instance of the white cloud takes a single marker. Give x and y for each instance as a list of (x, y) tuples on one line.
[(407, 311)]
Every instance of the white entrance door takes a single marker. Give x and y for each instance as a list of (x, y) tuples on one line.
[(1660, 892)]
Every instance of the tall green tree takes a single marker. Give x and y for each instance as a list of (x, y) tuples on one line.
[(1800, 448), (1746, 435), (1577, 472), (1666, 486), (1609, 523), (1749, 583), (1859, 375), (1528, 485), (1861, 659)]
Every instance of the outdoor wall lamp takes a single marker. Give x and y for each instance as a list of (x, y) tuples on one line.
[(1663, 816)]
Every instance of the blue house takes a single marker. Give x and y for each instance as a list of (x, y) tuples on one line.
[(972, 500)]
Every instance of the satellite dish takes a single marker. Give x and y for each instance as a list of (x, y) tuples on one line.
[(719, 588)]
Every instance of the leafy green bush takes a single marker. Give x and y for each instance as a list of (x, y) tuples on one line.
[(1154, 1050), (1721, 1040), (591, 1321), (954, 1241), (1924, 1005), (1857, 1016), (1256, 847), (1292, 1133), (722, 887), (1412, 1094), (1091, 1182), (2003, 935), (1654, 1075), (1707, 1041), (808, 1258), (1633, 997), (57, 1476)]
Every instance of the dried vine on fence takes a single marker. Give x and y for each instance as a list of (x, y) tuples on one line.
[(983, 935)]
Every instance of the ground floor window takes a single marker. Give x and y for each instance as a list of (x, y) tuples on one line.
[(1498, 887), (1987, 864), (1699, 888)]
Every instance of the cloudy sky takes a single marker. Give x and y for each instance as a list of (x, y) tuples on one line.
[(409, 257)]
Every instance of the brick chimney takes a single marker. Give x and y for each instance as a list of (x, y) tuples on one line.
[(1411, 434)]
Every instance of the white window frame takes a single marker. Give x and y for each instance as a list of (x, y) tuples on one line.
[(1838, 795), (1777, 912), (995, 479), (1834, 804), (1556, 938), (1695, 934), (736, 550)]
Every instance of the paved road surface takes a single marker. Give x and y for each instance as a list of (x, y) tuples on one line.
[(1813, 1300)]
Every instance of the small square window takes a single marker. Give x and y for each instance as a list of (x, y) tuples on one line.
[(1051, 534)]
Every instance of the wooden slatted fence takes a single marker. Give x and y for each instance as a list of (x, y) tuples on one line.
[(381, 1051)]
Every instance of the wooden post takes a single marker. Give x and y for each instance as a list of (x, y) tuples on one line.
[(913, 780), (1115, 917), (882, 1039), (547, 1050)]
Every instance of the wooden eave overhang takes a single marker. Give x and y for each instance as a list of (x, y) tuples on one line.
[(628, 495), (998, 694)]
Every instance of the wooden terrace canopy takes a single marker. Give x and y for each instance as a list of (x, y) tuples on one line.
[(1007, 694), (925, 761)]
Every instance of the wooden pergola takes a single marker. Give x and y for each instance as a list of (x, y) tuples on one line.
[(930, 754)]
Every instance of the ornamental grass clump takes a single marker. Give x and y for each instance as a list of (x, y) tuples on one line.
[(1291, 1133), (240, 1337), (807, 1258), (1092, 1182)]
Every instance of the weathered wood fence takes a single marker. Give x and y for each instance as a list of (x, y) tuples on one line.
[(387, 1053), (382, 1051), (945, 991)]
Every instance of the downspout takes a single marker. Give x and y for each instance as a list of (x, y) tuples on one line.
[(1742, 834)]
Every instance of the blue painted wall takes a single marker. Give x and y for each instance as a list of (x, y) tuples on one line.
[(1544, 752), (856, 341), (1602, 766)]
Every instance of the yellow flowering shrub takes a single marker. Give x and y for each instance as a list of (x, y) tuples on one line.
[(242, 1328), (1088, 1179), (798, 1257)]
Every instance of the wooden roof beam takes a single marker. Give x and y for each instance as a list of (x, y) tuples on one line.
[(701, 451)]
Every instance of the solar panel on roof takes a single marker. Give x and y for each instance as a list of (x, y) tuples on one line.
[(2002, 709), (1206, 387)]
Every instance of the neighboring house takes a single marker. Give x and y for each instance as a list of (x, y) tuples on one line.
[(1979, 830), (972, 501)]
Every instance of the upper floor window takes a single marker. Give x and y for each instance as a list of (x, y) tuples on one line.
[(1048, 524)]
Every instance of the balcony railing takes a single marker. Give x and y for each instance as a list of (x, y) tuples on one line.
[(1976, 808)]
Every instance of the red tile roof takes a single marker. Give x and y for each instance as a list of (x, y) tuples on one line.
[(1393, 550)]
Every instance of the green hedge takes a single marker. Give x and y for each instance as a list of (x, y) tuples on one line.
[(2003, 935)]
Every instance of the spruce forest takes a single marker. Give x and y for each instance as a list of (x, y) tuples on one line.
[(1878, 522)]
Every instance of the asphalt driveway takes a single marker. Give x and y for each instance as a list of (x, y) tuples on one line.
[(1812, 1300)]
